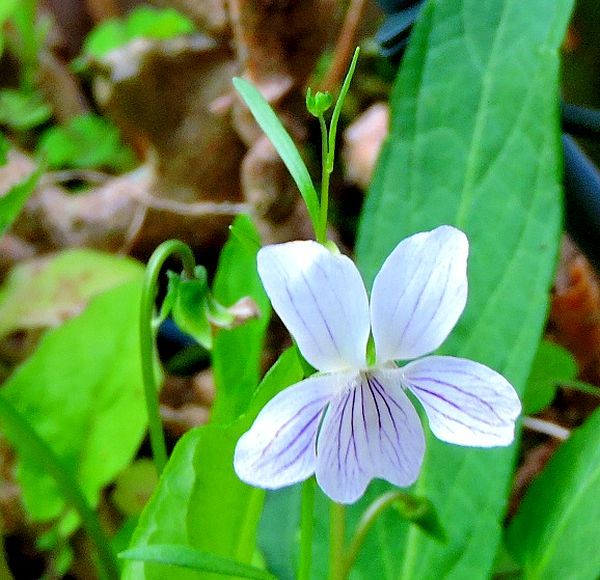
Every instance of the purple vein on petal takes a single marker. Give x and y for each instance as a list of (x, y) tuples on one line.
[(434, 310), (455, 420), (340, 425), (302, 451), (456, 388), (323, 319), (307, 326), (394, 446), (291, 419)]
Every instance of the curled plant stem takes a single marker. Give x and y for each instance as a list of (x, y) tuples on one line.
[(155, 264), (337, 531), (306, 528), (365, 524), (39, 452)]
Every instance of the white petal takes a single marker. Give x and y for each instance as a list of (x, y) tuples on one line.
[(371, 430), (321, 299), (419, 294), (279, 448), (466, 402)]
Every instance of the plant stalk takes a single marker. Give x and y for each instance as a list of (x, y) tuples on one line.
[(337, 530), (147, 344), (306, 528)]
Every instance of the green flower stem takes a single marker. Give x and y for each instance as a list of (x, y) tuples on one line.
[(582, 387), (37, 449), (321, 233), (337, 531), (365, 524), (306, 528), (147, 329), (25, 19)]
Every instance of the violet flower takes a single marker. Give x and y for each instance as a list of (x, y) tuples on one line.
[(352, 421)]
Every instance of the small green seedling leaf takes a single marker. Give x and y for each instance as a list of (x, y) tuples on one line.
[(23, 110), (185, 557), (141, 22), (15, 199), (281, 140), (552, 366), (87, 141)]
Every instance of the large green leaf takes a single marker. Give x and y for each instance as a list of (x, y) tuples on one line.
[(555, 531), (82, 392), (200, 502), (474, 142), (186, 557), (45, 291), (237, 352)]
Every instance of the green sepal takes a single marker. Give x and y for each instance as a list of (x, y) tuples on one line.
[(317, 103)]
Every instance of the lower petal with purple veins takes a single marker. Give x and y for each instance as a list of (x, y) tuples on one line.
[(372, 430), (279, 448)]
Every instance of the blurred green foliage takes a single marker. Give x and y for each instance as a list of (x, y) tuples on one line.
[(86, 142), (141, 22), (23, 109)]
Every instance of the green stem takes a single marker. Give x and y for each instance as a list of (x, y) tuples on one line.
[(366, 523), (321, 234), (25, 19), (155, 264), (39, 452), (306, 528), (337, 530), (581, 386)]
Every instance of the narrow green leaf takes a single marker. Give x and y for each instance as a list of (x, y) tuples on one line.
[(474, 142), (16, 427), (81, 390), (185, 557), (337, 111), (552, 366), (13, 201), (200, 502), (237, 352), (281, 140), (554, 533)]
